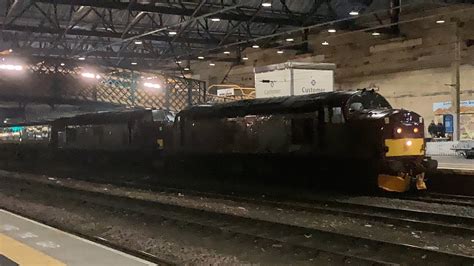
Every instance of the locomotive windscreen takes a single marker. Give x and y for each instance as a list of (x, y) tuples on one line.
[(367, 100)]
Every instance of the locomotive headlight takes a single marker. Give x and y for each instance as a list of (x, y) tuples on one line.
[(415, 130), (409, 143), (399, 130)]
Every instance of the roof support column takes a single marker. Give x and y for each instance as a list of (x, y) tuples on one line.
[(456, 84)]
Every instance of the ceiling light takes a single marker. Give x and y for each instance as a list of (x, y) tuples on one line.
[(280, 52), (440, 21), (290, 40), (331, 30), (226, 52), (245, 58), (186, 69), (11, 67), (212, 64), (172, 33), (138, 42), (255, 46), (215, 19), (375, 33), (325, 43), (178, 62), (82, 58), (267, 4), (200, 57), (10, 50), (152, 85), (62, 64), (90, 75), (134, 63), (354, 13)]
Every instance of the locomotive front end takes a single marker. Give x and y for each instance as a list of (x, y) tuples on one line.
[(405, 164)]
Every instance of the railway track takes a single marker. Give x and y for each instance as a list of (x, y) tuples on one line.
[(340, 247), (460, 200)]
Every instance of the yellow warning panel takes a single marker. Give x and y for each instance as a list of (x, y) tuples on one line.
[(25, 255)]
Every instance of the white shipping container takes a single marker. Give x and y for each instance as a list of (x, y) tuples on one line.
[(293, 78)]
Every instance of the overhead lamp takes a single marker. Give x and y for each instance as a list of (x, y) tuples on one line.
[(267, 4), (331, 30), (82, 58), (11, 67), (255, 46), (200, 57), (62, 64), (290, 40), (375, 33), (280, 52), (178, 62), (186, 69), (226, 52), (354, 13), (325, 43), (245, 58), (10, 50), (215, 19), (172, 33), (440, 21), (212, 64), (138, 42), (152, 85), (134, 63)]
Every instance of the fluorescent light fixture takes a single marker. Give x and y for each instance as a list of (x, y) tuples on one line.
[(331, 30), (90, 75), (212, 64), (280, 52), (138, 42), (375, 33), (290, 40), (178, 62), (11, 67), (226, 52), (62, 64), (134, 63), (267, 4), (172, 33), (440, 21), (152, 85), (186, 69), (354, 13), (255, 46), (325, 43), (82, 58), (215, 19), (200, 57), (245, 58)]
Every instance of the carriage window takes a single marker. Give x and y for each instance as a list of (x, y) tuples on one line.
[(302, 130)]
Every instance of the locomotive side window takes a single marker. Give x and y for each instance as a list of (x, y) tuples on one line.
[(337, 117), (302, 130)]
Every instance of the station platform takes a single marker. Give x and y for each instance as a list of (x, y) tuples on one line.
[(455, 163), (26, 242)]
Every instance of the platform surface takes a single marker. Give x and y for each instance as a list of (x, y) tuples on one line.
[(454, 163), (25, 242)]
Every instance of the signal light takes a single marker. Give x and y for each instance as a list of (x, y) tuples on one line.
[(399, 130)]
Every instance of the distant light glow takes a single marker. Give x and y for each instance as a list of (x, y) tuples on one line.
[(212, 64), (90, 75), (178, 62), (186, 69), (399, 130), (280, 52), (226, 52), (255, 46), (138, 42), (331, 30), (200, 57), (325, 43), (290, 40), (415, 130), (152, 85), (215, 19), (172, 33), (409, 143), (62, 64), (82, 58), (11, 67), (354, 13), (440, 21), (267, 4), (245, 58), (375, 33), (10, 50), (134, 63)]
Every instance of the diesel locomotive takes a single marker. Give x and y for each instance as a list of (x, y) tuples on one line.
[(355, 135)]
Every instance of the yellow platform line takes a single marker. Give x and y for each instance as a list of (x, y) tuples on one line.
[(25, 255)]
